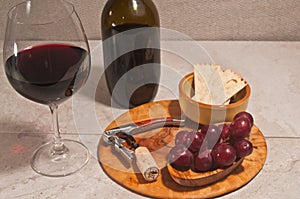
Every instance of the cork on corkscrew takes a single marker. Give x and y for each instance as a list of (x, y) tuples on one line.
[(146, 164), (143, 158)]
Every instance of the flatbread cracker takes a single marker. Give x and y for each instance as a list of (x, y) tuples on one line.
[(209, 88), (233, 83), (215, 86)]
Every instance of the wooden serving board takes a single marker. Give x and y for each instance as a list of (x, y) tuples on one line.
[(159, 142)]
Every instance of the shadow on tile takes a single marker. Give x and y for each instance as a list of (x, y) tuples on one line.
[(102, 94), (96, 88)]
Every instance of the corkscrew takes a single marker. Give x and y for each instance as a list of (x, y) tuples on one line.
[(118, 136)]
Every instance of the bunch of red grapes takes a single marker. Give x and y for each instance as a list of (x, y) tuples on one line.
[(214, 146)]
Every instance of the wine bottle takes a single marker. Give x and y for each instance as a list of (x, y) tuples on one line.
[(131, 49)]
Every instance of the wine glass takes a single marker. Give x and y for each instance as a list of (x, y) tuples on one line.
[(47, 59)]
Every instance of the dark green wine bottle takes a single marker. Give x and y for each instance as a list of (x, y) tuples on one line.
[(131, 49)]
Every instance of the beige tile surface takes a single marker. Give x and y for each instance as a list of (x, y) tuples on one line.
[(271, 68)]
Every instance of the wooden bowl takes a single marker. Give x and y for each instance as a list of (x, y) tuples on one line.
[(204, 113), (190, 178)]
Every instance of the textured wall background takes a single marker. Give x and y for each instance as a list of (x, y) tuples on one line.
[(204, 19)]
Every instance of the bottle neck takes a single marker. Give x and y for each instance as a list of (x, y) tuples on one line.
[(120, 12)]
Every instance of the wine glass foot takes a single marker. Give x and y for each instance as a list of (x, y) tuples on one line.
[(47, 163)]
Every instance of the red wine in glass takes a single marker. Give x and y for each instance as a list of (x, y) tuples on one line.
[(47, 73)]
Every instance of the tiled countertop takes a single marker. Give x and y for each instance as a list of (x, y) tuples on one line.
[(271, 68)]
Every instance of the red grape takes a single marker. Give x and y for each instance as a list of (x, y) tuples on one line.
[(240, 128), (198, 143), (203, 161), (212, 135), (224, 129), (208, 127), (223, 154), (181, 157), (181, 137), (189, 139), (243, 148), (245, 114)]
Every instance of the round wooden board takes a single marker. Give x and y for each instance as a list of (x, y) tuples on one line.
[(159, 142)]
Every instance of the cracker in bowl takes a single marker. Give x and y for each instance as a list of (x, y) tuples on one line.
[(214, 86)]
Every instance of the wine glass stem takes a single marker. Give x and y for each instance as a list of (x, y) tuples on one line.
[(58, 148)]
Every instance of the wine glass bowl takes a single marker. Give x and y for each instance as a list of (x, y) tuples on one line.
[(47, 59)]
